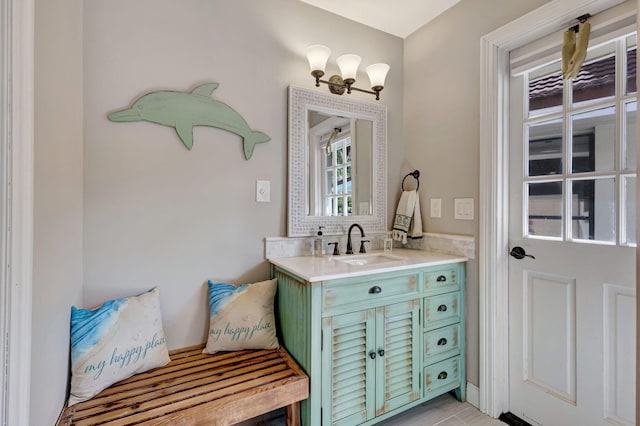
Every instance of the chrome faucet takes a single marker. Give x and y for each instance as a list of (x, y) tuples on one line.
[(349, 248)]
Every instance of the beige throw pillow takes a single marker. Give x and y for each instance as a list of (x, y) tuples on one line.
[(241, 317), (120, 338)]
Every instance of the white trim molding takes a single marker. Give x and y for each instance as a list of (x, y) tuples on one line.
[(473, 395), (494, 175), (18, 143)]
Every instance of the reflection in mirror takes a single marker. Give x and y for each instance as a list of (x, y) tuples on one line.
[(337, 163)]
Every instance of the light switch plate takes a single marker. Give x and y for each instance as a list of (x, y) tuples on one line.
[(263, 191), (463, 208), (436, 207)]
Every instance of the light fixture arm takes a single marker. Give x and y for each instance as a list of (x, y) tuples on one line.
[(338, 86)]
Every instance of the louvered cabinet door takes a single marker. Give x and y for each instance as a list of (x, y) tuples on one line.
[(348, 382), (398, 355)]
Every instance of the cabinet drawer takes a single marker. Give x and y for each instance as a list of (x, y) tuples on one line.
[(347, 293), (443, 375), (441, 310), (441, 343), (442, 280)]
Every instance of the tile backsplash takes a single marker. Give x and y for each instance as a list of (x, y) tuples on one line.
[(454, 244)]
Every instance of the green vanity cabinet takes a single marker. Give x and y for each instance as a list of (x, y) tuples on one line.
[(370, 362), (374, 345)]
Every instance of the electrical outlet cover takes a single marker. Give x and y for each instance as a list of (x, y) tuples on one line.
[(463, 208), (263, 191)]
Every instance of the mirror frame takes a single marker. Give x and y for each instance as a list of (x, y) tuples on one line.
[(299, 223)]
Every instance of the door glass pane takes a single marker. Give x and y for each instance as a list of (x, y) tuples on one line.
[(545, 89), (631, 139), (545, 148), (630, 209), (631, 64), (594, 141), (593, 210), (349, 179), (597, 77), (340, 206), (340, 156), (544, 209), (340, 186)]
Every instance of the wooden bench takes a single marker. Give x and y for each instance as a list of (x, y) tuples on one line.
[(199, 389)]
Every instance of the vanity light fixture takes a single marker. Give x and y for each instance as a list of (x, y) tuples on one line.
[(317, 55)]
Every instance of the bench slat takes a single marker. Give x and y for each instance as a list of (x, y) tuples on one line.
[(171, 386), (193, 389), (195, 359), (164, 375)]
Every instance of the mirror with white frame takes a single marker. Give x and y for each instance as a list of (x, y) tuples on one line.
[(337, 163)]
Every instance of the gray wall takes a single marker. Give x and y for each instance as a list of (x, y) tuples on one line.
[(156, 214), (442, 122), (57, 257)]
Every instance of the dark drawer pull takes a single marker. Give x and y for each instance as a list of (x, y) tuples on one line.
[(442, 342), (441, 279), (381, 352), (442, 375), (375, 289), (372, 355), (442, 308)]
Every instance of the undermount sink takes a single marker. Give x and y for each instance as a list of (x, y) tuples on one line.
[(367, 259)]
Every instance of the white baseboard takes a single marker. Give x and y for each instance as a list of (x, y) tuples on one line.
[(473, 395)]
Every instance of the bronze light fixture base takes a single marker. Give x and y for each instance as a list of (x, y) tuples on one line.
[(338, 86)]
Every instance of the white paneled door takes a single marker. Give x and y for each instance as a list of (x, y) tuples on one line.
[(572, 240)]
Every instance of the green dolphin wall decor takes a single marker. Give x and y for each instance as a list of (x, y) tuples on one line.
[(182, 111)]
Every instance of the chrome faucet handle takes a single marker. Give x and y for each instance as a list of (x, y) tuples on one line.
[(362, 249), (336, 252)]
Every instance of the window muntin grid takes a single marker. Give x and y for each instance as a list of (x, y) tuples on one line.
[(580, 148)]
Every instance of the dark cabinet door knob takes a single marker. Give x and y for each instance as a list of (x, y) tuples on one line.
[(372, 355), (381, 352)]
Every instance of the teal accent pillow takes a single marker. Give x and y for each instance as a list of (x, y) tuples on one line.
[(241, 317), (114, 341)]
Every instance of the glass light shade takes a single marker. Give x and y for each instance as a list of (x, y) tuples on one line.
[(348, 65), (317, 55), (377, 74)]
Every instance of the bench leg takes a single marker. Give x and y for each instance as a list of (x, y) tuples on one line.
[(292, 414)]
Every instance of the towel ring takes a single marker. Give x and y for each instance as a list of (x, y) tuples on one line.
[(416, 176)]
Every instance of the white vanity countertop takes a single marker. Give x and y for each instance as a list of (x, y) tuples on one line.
[(328, 267)]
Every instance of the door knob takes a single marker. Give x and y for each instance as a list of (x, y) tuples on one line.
[(519, 253)]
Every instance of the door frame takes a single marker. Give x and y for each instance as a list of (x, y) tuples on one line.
[(17, 17), (494, 187)]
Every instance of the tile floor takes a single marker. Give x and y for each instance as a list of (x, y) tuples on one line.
[(442, 411)]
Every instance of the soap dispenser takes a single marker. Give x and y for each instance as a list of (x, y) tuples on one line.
[(318, 244)]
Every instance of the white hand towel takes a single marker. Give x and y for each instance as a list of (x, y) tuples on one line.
[(408, 221)]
